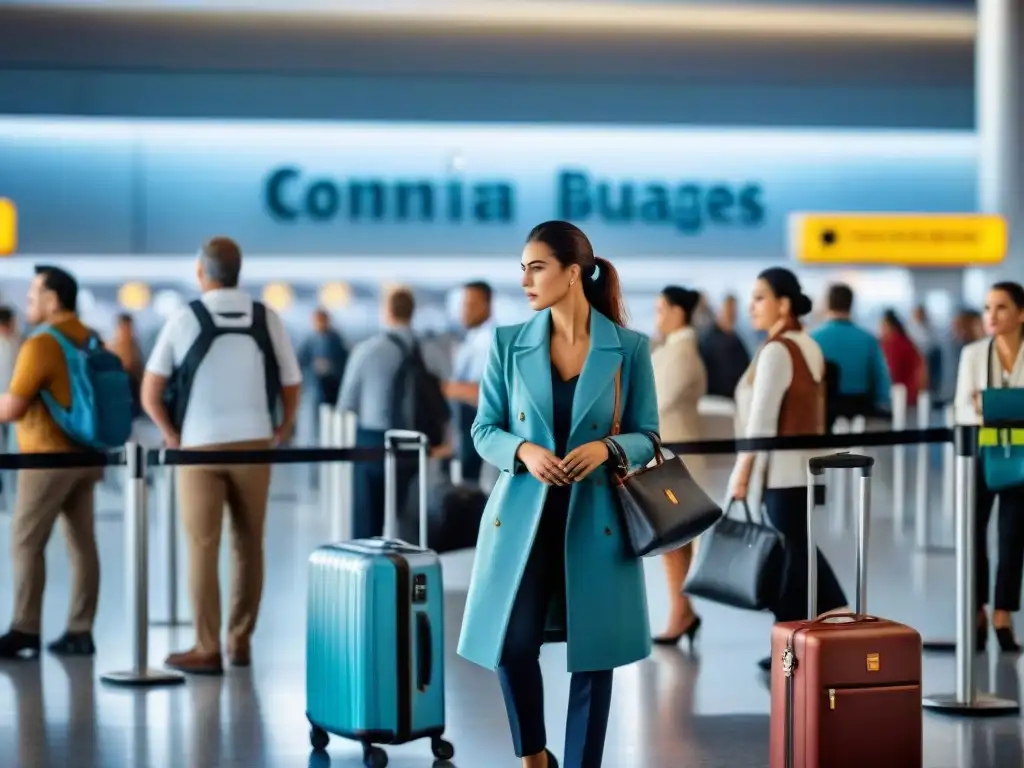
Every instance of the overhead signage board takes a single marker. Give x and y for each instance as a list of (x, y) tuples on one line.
[(8, 227), (906, 240)]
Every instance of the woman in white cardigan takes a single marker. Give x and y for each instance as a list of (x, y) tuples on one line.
[(996, 361), (680, 381), (783, 395)]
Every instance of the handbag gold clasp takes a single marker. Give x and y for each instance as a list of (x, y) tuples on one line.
[(671, 496)]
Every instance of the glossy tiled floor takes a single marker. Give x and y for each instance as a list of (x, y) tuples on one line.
[(707, 708)]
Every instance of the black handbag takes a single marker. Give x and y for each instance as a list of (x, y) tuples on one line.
[(661, 507), (739, 563)]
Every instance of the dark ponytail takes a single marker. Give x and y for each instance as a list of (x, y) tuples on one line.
[(684, 298), (571, 246)]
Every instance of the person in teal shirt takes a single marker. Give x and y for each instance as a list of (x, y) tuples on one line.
[(859, 380)]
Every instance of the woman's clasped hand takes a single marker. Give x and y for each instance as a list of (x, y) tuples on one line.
[(551, 470)]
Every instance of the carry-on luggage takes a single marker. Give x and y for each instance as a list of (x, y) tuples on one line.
[(375, 636), (846, 689)]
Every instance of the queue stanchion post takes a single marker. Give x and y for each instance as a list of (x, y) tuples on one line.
[(170, 519), (325, 416), (899, 458), (948, 472), (137, 578), (924, 408), (966, 700), (344, 474)]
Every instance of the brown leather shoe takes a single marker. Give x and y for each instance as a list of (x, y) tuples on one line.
[(193, 662), (240, 656)]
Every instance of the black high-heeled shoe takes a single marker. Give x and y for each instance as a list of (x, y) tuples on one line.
[(981, 639), (552, 760), (1007, 642), (690, 633)]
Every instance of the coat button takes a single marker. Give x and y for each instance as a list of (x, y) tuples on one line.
[(593, 426), (497, 523), (607, 531), (522, 416)]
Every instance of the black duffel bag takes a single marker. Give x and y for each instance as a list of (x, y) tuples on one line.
[(739, 563), (453, 515)]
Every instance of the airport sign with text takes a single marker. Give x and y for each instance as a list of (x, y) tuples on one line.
[(907, 240)]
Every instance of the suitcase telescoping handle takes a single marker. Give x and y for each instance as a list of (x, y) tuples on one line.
[(404, 440), (815, 469)]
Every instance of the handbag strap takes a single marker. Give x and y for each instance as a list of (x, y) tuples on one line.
[(617, 408), (746, 509), (655, 438)]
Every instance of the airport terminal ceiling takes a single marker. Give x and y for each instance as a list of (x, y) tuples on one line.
[(70, 61)]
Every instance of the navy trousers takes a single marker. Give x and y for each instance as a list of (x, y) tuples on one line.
[(368, 486), (787, 510), (590, 693), (1010, 568)]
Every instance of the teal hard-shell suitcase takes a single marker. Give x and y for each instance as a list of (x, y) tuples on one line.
[(375, 642)]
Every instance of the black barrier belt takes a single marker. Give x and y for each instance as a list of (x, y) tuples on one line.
[(68, 460), (176, 457), (814, 442)]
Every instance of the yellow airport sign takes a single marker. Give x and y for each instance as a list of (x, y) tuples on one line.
[(909, 240), (8, 227)]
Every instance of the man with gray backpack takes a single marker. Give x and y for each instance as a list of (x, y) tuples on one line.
[(68, 393)]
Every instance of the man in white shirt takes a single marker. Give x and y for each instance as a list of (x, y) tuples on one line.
[(213, 381)]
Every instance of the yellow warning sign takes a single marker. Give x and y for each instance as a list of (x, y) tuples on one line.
[(914, 240), (8, 227)]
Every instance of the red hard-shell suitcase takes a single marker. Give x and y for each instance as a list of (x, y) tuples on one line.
[(845, 689)]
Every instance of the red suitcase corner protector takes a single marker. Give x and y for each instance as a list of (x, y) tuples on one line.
[(856, 688)]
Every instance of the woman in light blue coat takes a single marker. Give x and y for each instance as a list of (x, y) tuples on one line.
[(551, 562)]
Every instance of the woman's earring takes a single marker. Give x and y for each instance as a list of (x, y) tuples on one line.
[(572, 282)]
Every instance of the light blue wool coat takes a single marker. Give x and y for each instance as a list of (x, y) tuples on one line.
[(606, 602)]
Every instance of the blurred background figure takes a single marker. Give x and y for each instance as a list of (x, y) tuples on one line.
[(906, 364), (9, 343), (323, 356), (929, 345), (125, 345), (680, 381), (723, 351), (470, 359), (856, 372)]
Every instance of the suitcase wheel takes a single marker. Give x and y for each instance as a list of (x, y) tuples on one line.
[(443, 750), (318, 738), (374, 757)]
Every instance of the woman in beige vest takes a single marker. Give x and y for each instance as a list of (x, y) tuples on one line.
[(783, 395), (681, 381)]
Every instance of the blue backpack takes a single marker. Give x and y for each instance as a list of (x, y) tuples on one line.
[(100, 416)]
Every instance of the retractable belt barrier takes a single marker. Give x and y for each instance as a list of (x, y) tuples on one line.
[(177, 457), (137, 459), (66, 460), (813, 442)]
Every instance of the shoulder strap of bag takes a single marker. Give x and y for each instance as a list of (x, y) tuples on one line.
[(617, 408), (988, 369)]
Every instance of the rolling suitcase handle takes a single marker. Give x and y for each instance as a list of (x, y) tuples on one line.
[(816, 468), (398, 440)]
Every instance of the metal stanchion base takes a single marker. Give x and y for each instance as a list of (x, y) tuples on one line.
[(147, 677), (939, 646), (169, 623), (982, 706)]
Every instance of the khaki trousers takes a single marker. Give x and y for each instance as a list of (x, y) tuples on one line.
[(43, 495), (203, 492)]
